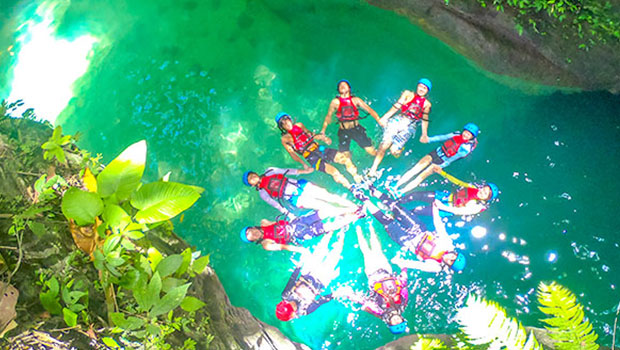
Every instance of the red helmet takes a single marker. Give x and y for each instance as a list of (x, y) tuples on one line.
[(285, 311)]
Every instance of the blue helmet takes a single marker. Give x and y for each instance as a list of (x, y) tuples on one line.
[(459, 263), (281, 115), (343, 81), (245, 177), (244, 234), (398, 328), (472, 128), (424, 82), (494, 190)]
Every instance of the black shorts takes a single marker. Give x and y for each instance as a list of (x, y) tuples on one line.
[(320, 156), (307, 226), (435, 158), (357, 134)]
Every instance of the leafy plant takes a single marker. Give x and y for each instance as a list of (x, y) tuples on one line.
[(54, 146), (485, 322), (428, 344), (567, 326)]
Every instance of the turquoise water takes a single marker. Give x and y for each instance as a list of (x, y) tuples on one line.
[(202, 80)]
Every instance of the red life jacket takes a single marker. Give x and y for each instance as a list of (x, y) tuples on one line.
[(346, 110), (414, 109), (277, 232), (426, 249), (451, 146), (378, 288), (301, 139), (273, 184), (464, 195)]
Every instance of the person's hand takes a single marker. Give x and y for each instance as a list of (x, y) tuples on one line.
[(327, 140), (424, 139), (307, 170), (383, 122)]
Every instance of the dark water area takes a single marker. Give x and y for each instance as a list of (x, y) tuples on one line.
[(202, 80)]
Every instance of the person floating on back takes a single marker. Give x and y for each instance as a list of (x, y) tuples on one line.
[(434, 249), (303, 292), (275, 187), (388, 291), (285, 235), (347, 108), (298, 141), (413, 108), (463, 201), (456, 145)]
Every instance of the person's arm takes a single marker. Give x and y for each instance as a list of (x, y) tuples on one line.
[(292, 153), (471, 208), (395, 107), (333, 106), (274, 203), (315, 304), (291, 281), (425, 112), (427, 265), (363, 105), (273, 246), (441, 138), (440, 228), (265, 222)]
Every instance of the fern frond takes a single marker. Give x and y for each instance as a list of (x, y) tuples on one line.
[(485, 322), (567, 326), (428, 344)]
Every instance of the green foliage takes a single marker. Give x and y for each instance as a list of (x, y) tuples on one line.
[(567, 325), (122, 176), (81, 206), (54, 146), (428, 344), (595, 19), (159, 201), (485, 322)]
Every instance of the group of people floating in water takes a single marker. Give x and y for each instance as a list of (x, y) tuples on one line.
[(327, 213)]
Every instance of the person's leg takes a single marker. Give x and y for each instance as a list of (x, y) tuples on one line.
[(379, 259), (383, 147), (341, 158), (420, 165), (434, 168), (329, 267), (407, 218), (419, 196), (318, 198), (360, 136), (336, 175)]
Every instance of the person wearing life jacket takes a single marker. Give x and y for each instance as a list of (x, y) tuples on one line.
[(285, 235), (388, 295), (303, 293), (456, 145), (347, 108), (298, 141), (413, 109), (278, 189), (463, 201), (434, 249)]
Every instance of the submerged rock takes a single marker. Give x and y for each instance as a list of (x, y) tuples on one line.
[(489, 38)]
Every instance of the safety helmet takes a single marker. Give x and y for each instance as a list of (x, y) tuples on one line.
[(459, 263), (494, 190), (424, 82), (472, 128), (244, 234), (285, 311), (245, 177), (279, 117), (398, 328), (343, 81)]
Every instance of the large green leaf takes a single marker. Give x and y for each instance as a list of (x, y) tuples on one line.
[(170, 301), (159, 201), (169, 265), (115, 216), (191, 304), (81, 206), (122, 176)]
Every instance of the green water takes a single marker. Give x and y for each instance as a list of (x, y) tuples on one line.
[(202, 80)]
